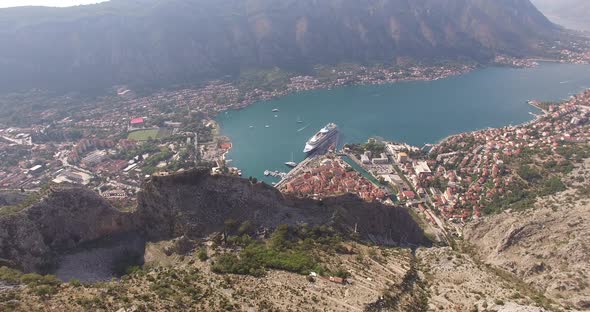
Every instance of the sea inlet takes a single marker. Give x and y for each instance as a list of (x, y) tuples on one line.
[(417, 112)]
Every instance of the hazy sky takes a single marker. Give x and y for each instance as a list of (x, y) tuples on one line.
[(53, 3)]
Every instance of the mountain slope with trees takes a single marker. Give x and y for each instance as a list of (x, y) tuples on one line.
[(164, 42)]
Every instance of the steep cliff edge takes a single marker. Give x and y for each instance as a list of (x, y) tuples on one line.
[(196, 204), (66, 217), (192, 203)]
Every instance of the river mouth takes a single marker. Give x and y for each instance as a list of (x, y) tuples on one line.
[(416, 113), (101, 260)]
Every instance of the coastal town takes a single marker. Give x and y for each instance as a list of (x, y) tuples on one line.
[(464, 176), (112, 143)]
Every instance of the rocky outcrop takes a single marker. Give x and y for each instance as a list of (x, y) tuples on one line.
[(546, 247), (65, 218), (196, 204)]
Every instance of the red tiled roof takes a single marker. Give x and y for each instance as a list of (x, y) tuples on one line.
[(136, 121)]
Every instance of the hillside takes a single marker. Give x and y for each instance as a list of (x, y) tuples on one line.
[(193, 204), (163, 42), (572, 14), (547, 247), (214, 243)]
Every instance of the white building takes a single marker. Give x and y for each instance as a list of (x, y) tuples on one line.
[(383, 160), (365, 159)]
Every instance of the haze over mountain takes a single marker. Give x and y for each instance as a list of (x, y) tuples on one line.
[(164, 42), (569, 13), (49, 3)]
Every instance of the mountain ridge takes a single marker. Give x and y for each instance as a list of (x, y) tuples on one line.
[(193, 204), (167, 42)]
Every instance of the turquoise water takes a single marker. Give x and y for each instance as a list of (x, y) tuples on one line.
[(413, 112)]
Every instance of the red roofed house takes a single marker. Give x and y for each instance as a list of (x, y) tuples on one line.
[(409, 195), (137, 121)]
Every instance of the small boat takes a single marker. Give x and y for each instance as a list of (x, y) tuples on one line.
[(299, 120), (291, 164), (251, 127), (266, 173), (275, 110), (276, 116), (267, 126)]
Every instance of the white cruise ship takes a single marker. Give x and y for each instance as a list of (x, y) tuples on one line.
[(322, 137)]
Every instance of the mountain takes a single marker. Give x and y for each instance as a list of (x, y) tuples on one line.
[(192, 204), (568, 13), (525, 260), (163, 42)]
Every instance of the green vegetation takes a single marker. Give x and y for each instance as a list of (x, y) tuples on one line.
[(257, 257), (517, 198), (202, 254), (144, 135), (126, 262), (9, 275), (8, 210), (289, 248), (145, 148), (529, 173), (30, 200), (373, 146), (41, 285), (538, 177), (265, 79), (150, 164), (574, 152)]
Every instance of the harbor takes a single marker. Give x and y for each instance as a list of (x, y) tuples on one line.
[(414, 112)]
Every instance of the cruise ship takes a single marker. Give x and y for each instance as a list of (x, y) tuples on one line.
[(321, 138)]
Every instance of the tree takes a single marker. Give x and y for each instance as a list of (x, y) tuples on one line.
[(228, 227), (245, 228), (279, 239)]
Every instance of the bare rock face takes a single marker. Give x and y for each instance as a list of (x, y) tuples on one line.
[(546, 247), (65, 218), (196, 204)]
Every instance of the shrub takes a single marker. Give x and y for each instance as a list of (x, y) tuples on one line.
[(202, 254), (341, 273), (245, 228), (9, 275), (44, 290)]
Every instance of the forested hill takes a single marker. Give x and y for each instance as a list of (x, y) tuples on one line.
[(173, 41)]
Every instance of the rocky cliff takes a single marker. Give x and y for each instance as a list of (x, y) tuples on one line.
[(66, 217), (196, 204), (193, 203)]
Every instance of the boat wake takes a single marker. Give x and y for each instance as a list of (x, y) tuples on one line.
[(303, 128)]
